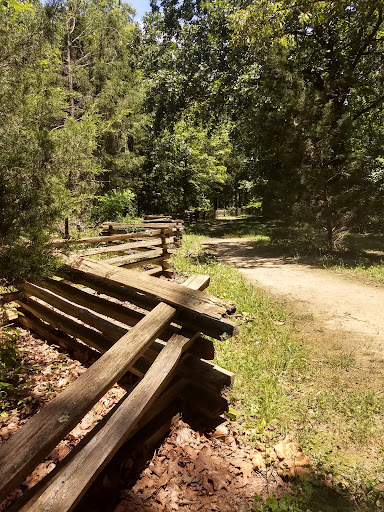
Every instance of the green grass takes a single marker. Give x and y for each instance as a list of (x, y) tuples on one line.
[(284, 386)]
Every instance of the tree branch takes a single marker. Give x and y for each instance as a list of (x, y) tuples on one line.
[(369, 40), (369, 107)]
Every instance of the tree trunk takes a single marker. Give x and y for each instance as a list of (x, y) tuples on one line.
[(328, 218), (69, 71)]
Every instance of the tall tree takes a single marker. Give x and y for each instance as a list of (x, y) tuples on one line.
[(318, 81)]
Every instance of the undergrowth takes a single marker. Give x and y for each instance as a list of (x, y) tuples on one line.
[(13, 374), (283, 387)]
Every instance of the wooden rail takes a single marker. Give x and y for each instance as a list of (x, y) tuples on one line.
[(161, 344)]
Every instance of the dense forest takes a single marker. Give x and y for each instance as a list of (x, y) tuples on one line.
[(203, 104)]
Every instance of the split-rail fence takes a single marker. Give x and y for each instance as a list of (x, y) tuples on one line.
[(135, 322)]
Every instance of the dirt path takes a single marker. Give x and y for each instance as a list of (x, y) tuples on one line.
[(332, 310)]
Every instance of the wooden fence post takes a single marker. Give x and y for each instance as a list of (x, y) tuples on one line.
[(165, 264)]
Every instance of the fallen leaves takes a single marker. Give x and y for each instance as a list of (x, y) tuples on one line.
[(191, 472)]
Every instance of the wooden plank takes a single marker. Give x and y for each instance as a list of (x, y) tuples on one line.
[(128, 258), (148, 261), (172, 293), (49, 333), (157, 217), (34, 441), (201, 281), (120, 312), (178, 343), (150, 225), (150, 242), (108, 328), (67, 486), (76, 329), (103, 239), (111, 332), (212, 327), (213, 376)]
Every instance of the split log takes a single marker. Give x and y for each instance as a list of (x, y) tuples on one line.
[(148, 261), (205, 311), (202, 347), (119, 260), (110, 332), (70, 482), (49, 333), (93, 338), (44, 430), (103, 239), (212, 328), (150, 242), (29, 445)]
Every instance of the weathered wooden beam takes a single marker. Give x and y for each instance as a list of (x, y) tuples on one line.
[(34, 441), (148, 261), (127, 258), (103, 239), (110, 331), (108, 328), (76, 329), (149, 242), (205, 309), (212, 328), (71, 481), (128, 316), (49, 333)]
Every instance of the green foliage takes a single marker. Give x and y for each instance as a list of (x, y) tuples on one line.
[(115, 206), (11, 383), (70, 101), (188, 165), (286, 503)]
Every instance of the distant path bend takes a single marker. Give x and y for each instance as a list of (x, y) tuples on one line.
[(339, 304)]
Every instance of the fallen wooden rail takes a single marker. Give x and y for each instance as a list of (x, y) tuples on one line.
[(156, 337), (135, 347)]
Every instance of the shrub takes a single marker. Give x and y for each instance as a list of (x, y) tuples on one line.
[(115, 205)]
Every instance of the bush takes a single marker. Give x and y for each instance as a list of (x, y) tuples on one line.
[(115, 205), (10, 369)]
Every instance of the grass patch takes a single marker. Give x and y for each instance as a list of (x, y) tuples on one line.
[(285, 387)]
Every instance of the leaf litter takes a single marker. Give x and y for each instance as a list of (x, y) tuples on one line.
[(192, 472)]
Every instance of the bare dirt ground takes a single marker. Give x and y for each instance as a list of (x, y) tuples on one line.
[(330, 310)]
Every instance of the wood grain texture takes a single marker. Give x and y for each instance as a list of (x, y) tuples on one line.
[(103, 239), (118, 428), (139, 256), (65, 489), (166, 291), (150, 242), (76, 329), (122, 313), (27, 447), (214, 327)]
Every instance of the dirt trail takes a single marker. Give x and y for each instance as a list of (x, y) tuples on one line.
[(332, 309)]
